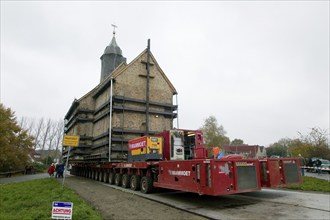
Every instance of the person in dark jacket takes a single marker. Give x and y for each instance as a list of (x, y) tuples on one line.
[(58, 170), (318, 164)]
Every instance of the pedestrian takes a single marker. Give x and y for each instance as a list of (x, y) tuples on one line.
[(51, 170), (217, 154), (57, 170), (318, 164), (302, 163)]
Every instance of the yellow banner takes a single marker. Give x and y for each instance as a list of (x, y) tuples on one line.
[(71, 140)]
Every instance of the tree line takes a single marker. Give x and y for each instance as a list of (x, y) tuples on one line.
[(19, 137), (313, 144)]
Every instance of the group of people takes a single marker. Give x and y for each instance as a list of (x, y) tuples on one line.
[(56, 170), (309, 163)]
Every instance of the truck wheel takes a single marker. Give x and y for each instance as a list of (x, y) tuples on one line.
[(125, 183), (118, 178), (135, 182), (111, 178), (106, 177), (146, 185)]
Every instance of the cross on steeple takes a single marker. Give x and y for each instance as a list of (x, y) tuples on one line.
[(114, 29)]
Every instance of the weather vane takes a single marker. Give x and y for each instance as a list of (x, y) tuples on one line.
[(114, 28)]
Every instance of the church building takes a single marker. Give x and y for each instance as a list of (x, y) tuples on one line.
[(131, 100)]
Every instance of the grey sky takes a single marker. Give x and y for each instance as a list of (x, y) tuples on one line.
[(261, 68)]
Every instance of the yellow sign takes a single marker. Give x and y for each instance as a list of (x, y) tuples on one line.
[(71, 140)]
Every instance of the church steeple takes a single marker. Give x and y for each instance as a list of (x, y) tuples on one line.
[(111, 57)]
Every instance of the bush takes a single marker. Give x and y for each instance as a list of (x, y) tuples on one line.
[(39, 167)]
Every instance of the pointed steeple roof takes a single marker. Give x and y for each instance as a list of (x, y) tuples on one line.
[(111, 58), (113, 47)]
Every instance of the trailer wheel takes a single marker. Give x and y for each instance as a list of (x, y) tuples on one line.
[(118, 178), (125, 181), (146, 185), (111, 178), (101, 176), (106, 177), (135, 182)]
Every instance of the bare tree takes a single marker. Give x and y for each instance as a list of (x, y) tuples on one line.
[(37, 132), (45, 134), (59, 134), (27, 124)]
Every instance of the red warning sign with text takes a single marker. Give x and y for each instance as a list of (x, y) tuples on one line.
[(62, 210)]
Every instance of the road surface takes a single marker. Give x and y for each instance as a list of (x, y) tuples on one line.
[(24, 178)]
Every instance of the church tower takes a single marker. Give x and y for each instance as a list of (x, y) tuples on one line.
[(111, 58)]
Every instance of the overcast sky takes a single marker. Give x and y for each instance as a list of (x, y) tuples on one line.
[(260, 67)]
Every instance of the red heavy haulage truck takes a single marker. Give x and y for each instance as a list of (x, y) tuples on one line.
[(177, 159)]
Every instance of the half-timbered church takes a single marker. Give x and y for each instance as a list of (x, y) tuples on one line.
[(132, 100)]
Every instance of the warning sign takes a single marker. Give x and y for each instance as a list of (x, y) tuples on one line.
[(62, 210), (71, 140)]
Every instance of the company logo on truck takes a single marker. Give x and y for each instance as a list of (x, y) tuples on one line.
[(137, 145), (244, 164), (179, 172)]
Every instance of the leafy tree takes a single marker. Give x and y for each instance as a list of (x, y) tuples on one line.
[(279, 148), (237, 142), (313, 144), (214, 135), (298, 146), (317, 137), (15, 143)]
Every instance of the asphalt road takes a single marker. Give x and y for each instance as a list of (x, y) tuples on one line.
[(324, 176), (264, 204), (24, 178)]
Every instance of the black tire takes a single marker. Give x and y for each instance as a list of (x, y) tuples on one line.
[(118, 178), (112, 178), (146, 185), (106, 177), (101, 176), (125, 183), (135, 182)]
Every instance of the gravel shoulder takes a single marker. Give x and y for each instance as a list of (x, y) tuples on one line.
[(116, 204)]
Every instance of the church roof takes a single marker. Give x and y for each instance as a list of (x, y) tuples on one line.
[(121, 70)]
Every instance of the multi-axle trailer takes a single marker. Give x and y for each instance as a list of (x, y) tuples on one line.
[(178, 160)]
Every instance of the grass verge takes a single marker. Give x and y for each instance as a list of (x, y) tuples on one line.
[(312, 184), (33, 200)]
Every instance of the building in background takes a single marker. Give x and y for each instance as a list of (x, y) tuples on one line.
[(131, 100)]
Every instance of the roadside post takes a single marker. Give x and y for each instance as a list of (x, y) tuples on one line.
[(69, 141)]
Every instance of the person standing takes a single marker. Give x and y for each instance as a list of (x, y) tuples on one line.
[(318, 164), (51, 170), (57, 170), (302, 163), (217, 153)]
